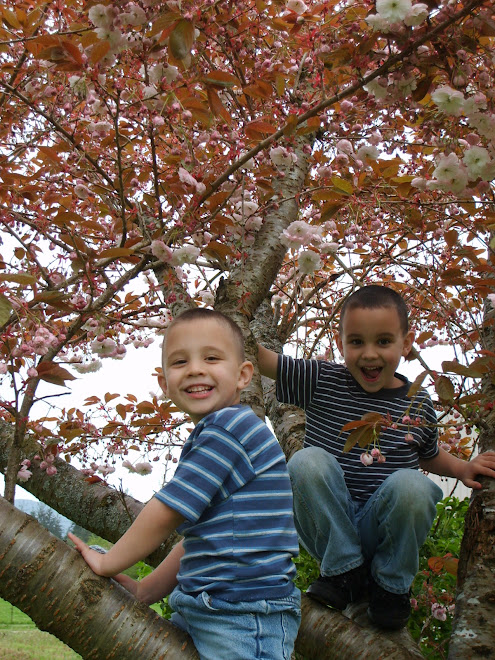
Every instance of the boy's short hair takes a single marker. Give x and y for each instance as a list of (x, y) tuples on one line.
[(373, 297), (202, 313)]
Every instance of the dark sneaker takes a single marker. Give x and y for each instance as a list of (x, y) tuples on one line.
[(339, 591), (388, 610)]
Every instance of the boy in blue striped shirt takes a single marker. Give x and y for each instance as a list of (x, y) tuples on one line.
[(231, 577)]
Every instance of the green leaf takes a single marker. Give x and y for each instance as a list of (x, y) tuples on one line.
[(5, 310)]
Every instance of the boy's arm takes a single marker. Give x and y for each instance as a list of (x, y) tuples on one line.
[(446, 465), (158, 584), (267, 362), (152, 526)]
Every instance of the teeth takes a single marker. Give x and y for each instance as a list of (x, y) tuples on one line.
[(198, 388)]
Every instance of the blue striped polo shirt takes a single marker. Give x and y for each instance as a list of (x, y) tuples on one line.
[(232, 487), (331, 398)]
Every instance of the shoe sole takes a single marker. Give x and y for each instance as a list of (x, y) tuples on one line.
[(314, 595)]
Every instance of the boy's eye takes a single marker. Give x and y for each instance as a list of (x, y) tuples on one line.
[(212, 358), (355, 342), (384, 342), (178, 363)]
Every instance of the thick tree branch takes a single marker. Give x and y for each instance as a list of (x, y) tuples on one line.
[(95, 616)]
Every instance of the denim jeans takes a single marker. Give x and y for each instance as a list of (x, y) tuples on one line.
[(221, 630), (386, 532)]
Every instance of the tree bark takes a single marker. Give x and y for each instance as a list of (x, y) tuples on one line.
[(95, 616), (327, 634), (473, 634)]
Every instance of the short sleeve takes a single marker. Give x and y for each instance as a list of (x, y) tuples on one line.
[(296, 380), (215, 466)]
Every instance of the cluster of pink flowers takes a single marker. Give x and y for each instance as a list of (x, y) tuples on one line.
[(375, 454), (40, 344), (392, 14), (106, 347), (142, 468), (300, 233), (47, 465), (188, 254), (189, 180)]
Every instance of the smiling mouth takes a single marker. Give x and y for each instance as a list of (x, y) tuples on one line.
[(371, 373), (199, 389)]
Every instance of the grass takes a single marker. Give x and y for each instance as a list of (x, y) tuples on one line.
[(21, 640)]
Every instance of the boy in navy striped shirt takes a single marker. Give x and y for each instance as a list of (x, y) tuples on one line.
[(231, 577), (366, 512)]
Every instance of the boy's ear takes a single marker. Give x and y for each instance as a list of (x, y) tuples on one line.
[(246, 371), (163, 384), (408, 343), (340, 345)]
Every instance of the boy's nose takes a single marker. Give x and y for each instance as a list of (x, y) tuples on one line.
[(369, 351), (196, 366)]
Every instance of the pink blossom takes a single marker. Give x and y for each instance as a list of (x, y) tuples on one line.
[(143, 468), (32, 372), (300, 233), (187, 178), (297, 6), (439, 612), (393, 10), (409, 437), (24, 474), (51, 470), (448, 100), (134, 15), (366, 459), (128, 465), (344, 147), (105, 469), (308, 262), (100, 16), (161, 251), (282, 157), (3, 368), (417, 14), (185, 255)]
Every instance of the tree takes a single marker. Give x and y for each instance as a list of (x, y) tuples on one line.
[(49, 519), (264, 157)]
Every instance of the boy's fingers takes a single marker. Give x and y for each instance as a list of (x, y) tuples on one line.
[(80, 545)]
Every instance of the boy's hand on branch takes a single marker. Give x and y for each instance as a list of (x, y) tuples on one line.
[(480, 465), (94, 559)]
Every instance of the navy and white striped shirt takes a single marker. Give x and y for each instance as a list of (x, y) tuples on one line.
[(233, 488), (331, 398)]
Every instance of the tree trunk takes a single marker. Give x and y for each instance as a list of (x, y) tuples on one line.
[(473, 633), (95, 616)]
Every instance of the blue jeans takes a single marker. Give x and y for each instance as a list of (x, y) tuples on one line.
[(221, 630), (386, 532)]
